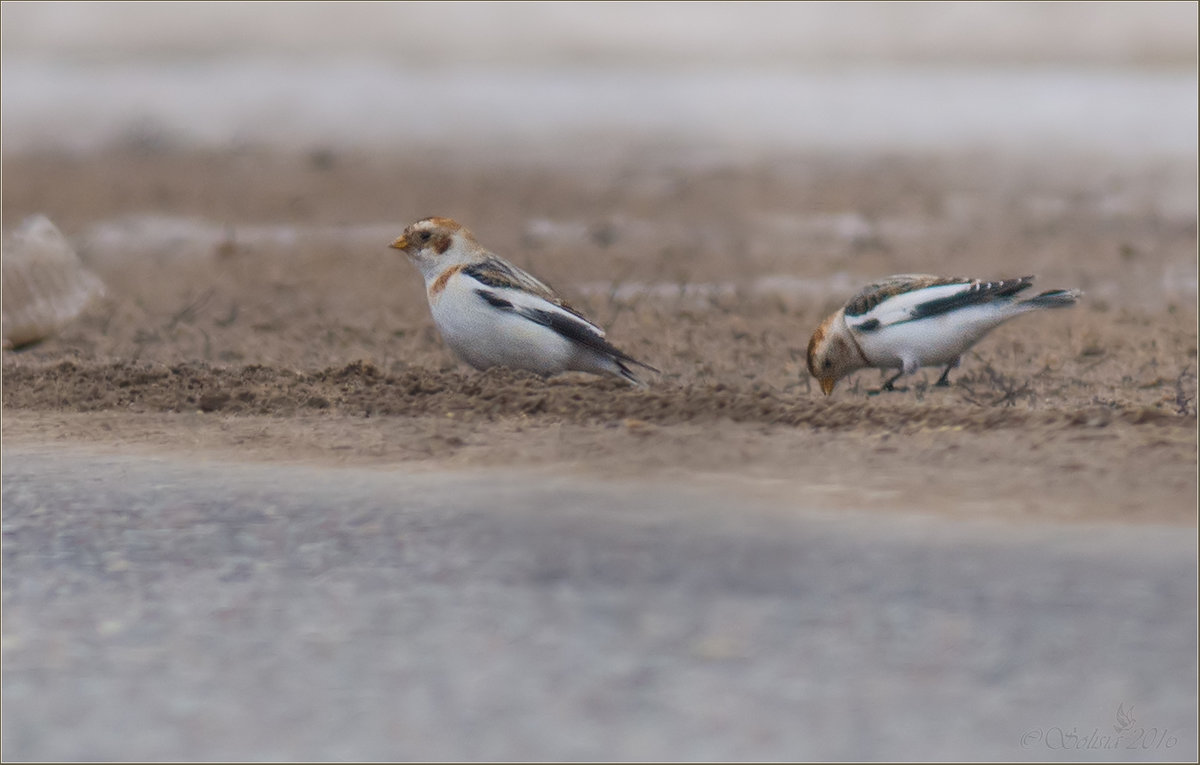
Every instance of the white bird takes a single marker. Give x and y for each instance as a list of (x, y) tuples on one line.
[(492, 313), (910, 321)]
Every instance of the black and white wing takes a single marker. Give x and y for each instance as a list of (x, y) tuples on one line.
[(909, 297), (501, 275), (508, 288)]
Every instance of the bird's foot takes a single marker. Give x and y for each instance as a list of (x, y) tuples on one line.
[(889, 388), (889, 385)]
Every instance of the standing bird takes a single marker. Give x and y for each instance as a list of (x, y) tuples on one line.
[(492, 313), (915, 320)]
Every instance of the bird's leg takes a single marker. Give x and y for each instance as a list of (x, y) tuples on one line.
[(943, 381), (887, 384), (907, 368)]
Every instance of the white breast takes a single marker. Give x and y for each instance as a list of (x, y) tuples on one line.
[(934, 341), (486, 336)]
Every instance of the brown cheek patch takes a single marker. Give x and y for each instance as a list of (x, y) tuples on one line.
[(816, 339), (439, 283), (441, 243)]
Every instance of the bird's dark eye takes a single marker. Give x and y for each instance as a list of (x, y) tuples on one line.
[(424, 235), (828, 363)]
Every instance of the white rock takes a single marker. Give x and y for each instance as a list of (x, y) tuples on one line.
[(45, 285)]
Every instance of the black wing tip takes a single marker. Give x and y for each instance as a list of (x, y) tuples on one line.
[(631, 360), (627, 373), (1062, 298), (582, 332), (623, 360)]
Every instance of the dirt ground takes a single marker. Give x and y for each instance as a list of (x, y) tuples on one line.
[(280, 327)]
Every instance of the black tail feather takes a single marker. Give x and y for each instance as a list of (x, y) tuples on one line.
[(1054, 299)]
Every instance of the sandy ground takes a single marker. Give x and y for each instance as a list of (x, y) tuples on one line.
[(279, 326), (255, 510)]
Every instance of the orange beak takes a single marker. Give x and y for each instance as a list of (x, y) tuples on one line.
[(827, 384), (401, 243)]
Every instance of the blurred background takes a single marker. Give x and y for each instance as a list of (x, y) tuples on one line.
[(1109, 77), (825, 143)]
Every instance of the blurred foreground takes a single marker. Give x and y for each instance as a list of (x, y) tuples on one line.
[(161, 610)]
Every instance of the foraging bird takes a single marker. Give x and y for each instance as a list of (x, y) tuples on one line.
[(492, 313), (910, 321)]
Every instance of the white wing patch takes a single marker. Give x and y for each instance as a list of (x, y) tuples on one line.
[(902, 307), (531, 302)]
